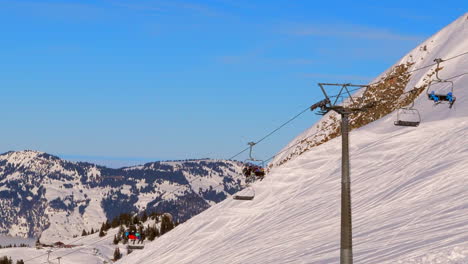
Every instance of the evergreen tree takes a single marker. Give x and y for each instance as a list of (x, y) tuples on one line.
[(20, 261), (125, 219), (6, 260), (136, 220), (115, 222), (101, 233), (92, 231), (153, 215), (120, 233), (84, 233), (156, 217), (117, 254), (103, 229), (144, 217), (107, 225), (166, 224), (156, 232), (141, 230), (116, 240), (152, 232)]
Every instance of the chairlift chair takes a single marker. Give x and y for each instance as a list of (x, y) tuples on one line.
[(245, 195), (133, 237), (138, 245), (436, 87), (135, 247), (249, 193), (408, 116), (257, 163)]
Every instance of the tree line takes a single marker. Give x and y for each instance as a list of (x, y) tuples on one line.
[(7, 260)]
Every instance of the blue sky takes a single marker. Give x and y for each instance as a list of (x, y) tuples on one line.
[(124, 82)]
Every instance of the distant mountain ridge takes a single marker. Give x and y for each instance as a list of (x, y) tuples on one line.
[(41, 193)]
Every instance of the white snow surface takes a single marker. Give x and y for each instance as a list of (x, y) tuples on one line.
[(88, 249), (409, 191)]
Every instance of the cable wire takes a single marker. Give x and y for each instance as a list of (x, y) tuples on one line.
[(428, 66), (274, 131), (281, 126), (244, 150)]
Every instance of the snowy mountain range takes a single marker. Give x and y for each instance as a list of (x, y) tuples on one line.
[(409, 184), (43, 194)]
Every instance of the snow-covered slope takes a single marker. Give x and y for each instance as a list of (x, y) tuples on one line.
[(88, 249), (83, 249), (409, 190), (43, 194)]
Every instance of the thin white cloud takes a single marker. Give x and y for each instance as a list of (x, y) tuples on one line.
[(198, 8), (232, 59), (140, 6), (350, 31), (299, 61), (61, 10), (168, 6), (341, 77), (401, 12), (255, 59)]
